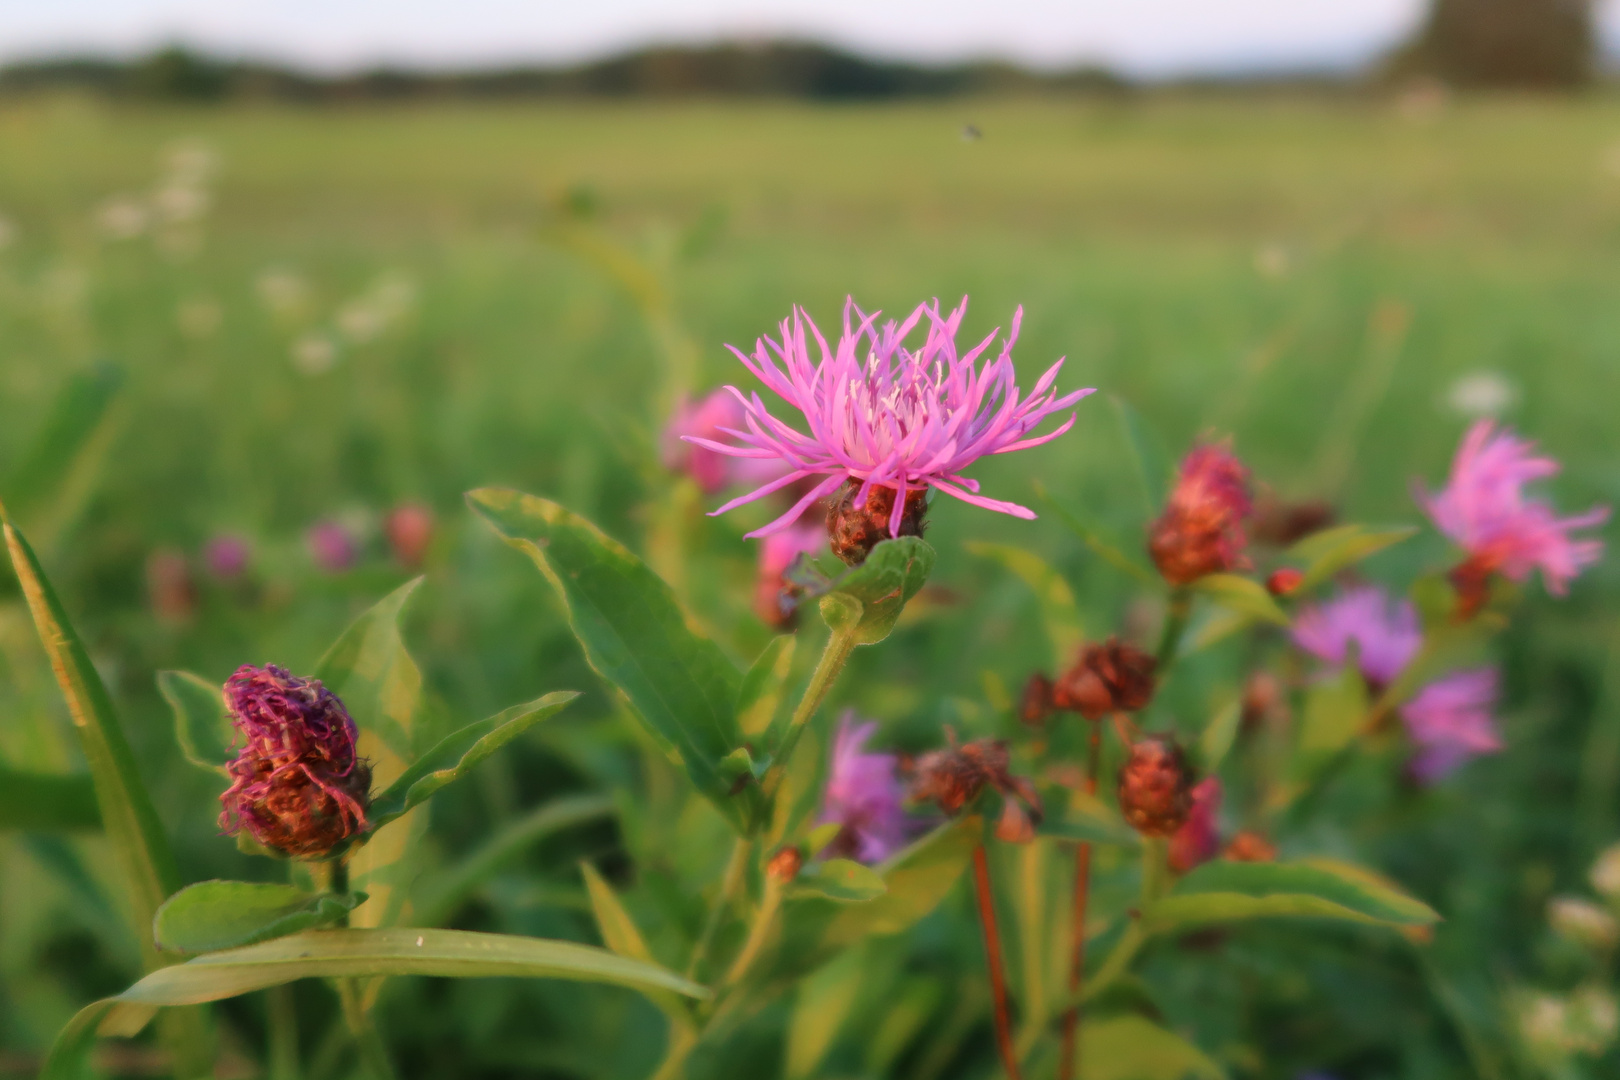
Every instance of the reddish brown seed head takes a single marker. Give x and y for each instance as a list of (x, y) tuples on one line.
[(854, 532), (1036, 704), (1284, 581), (1112, 677), (955, 776), (784, 865), (1155, 787), (1201, 529)]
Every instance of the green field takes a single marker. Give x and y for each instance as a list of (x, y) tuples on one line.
[(387, 305)]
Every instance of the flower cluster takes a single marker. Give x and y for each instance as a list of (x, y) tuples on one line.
[(298, 785)]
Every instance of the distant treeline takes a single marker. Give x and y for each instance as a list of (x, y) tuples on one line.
[(782, 69)]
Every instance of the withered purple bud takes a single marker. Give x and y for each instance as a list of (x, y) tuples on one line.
[(1112, 677), (298, 785), (854, 531), (1201, 529), (957, 775), (1155, 786), (1036, 704)]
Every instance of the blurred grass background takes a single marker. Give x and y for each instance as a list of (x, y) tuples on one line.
[(366, 311)]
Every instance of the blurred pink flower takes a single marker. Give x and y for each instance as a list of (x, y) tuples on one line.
[(1385, 632), (227, 555), (409, 528), (1484, 509), (777, 552), (708, 419), (1199, 838), (895, 418), (864, 796), (332, 546), (1450, 721)]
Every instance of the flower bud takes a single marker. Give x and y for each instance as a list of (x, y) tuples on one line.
[(955, 776), (1284, 581), (855, 531), (1198, 839), (784, 865), (1251, 847), (1111, 677), (1036, 704), (298, 786), (409, 529), (1201, 529), (1155, 786)]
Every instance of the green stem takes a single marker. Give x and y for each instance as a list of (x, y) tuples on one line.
[(717, 912), (764, 922), (283, 1022), (840, 644), (373, 1054), (681, 1043), (1155, 877), (1175, 623)]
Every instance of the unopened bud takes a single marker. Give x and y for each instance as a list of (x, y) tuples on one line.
[(1155, 787), (1036, 704), (784, 865), (1284, 581), (1262, 694), (1015, 826), (854, 531), (1111, 677), (1201, 529), (1251, 847), (410, 530)]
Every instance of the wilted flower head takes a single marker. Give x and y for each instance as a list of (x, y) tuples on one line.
[(1201, 529), (1115, 676), (1155, 786), (955, 776), (881, 415), (863, 797), (298, 785), (1199, 838), (1484, 509), (1384, 631), (1450, 721)]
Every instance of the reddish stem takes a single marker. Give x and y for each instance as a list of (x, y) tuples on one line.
[(992, 952), (1069, 1062)]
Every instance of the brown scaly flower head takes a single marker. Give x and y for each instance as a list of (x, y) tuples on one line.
[(1112, 677), (1036, 704), (1155, 786), (1201, 529), (855, 530), (298, 786), (957, 775)]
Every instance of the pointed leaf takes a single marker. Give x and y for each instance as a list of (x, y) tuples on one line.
[(620, 934), (1090, 819), (843, 880), (1153, 465), (1135, 1048), (890, 576), (635, 635), (1104, 549), (1241, 595), (762, 686), (1225, 891), (1059, 614), (1326, 553), (212, 915), (371, 670), (1334, 711), (459, 753), (1219, 735), (202, 726), (47, 802), (77, 432), (350, 954), (825, 1000)]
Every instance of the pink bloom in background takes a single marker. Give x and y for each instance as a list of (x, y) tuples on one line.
[(708, 419), (227, 556), (332, 546), (1484, 509), (881, 414), (777, 553), (1199, 838), (1385, 632), (1450, 721), (864, 796), (409, 528)]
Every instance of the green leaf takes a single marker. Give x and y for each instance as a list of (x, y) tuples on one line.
[(1223, 891), (212, 915), (890, 576), (202, 726), (843, 880), (1326, 553), (1096, 543), (1153, 466), (56, 473), (1219, 735), (825, 1000), (135, 835), (1059, 614), (1090, 819), (676, 681), (1335, 709), (371, 670), (459, 753), (349, 954), (47, 802), (1242, 596), (1135, 1048), (762, 687), (623, 937)]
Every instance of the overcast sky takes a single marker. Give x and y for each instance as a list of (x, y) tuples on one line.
[(1144, 37)]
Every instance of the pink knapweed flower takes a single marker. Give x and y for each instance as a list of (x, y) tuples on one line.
[(1199, 838), (297, 785), (227, 555), (883, 415), (1484, 509), (864, 796), (1450, 721), (706, 419), (332, 546), (1201, 529), (1384, 630)]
